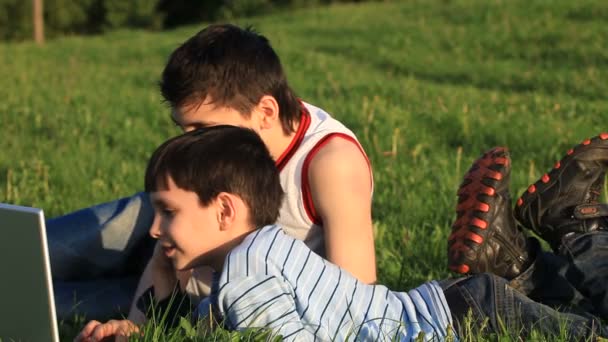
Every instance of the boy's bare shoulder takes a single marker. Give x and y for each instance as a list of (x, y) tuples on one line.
[(341, 161), (339, 152)]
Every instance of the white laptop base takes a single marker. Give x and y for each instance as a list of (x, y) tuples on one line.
[(26, 288)]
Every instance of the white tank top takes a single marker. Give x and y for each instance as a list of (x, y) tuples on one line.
[(297, 215)]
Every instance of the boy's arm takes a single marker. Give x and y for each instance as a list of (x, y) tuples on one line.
[(341, 184), (262, 301), (158, 273)]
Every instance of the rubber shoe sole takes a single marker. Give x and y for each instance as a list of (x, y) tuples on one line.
[(476, 195)]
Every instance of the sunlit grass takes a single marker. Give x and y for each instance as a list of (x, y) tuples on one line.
[(426, 85)]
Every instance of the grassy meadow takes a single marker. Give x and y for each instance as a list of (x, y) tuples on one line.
[(426, 85)]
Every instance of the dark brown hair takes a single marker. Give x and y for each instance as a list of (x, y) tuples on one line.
[(220, 159), (233, 67)]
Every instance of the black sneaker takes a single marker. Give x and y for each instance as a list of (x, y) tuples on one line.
[(485, 237), (565, 200)]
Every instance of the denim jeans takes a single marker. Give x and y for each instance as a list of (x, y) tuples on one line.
[(566, 290), (97, 255), (575, 279), (495, 307)]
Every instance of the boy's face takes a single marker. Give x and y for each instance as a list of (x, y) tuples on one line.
[(189, 118), (188, 232)]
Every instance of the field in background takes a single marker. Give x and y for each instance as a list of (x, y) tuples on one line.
[(426, 85)]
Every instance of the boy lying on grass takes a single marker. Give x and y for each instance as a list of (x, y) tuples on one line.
[(216, 195), (227, 75)]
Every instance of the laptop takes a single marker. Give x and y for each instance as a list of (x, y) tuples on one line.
[(26, 288)]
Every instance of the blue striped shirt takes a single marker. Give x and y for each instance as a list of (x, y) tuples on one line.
[(274, 281)]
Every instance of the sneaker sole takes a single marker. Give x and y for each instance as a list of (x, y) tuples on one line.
[(470, 230)]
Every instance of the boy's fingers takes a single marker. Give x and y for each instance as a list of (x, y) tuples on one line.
[(86, 331), (96, 331), (104, 330), (114, 328), (126, 328)]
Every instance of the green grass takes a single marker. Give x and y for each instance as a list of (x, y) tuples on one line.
[(426, 85)]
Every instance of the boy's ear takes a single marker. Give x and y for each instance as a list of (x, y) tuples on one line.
[(268, 109), (227, 210)]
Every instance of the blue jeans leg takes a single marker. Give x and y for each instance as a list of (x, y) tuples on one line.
[(497, 308), (100, 250), (574, 279), (587, 268), (101, 299)]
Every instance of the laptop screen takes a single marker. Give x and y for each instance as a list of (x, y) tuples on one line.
[(26, 288)]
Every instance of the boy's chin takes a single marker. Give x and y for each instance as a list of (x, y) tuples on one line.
[(180, 265), (184, 266)]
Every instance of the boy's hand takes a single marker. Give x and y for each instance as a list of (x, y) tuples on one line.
[(96, 331)]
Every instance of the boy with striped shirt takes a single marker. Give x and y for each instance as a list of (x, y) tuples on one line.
[(227, 75), (216, 194)]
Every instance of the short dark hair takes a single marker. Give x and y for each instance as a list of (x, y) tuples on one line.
[(220, 159), (233, 66)]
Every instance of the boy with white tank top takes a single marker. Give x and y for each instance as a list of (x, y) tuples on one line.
[(229, 75), (324, 171)]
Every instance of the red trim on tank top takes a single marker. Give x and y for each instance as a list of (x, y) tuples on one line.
[(296, 141), (306, 195)]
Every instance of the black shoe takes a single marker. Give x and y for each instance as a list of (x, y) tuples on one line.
[(485, 237), (565, 200)]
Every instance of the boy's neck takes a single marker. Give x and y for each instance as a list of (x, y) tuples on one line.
[(277, 141), (217, 263)]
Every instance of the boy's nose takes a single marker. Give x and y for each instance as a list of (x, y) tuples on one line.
[(155, 228)]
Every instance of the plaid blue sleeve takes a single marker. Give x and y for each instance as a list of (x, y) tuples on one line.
[(262, 301)]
